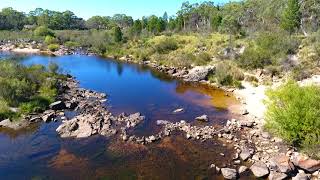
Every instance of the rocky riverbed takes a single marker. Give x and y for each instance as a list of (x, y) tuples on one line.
[(256, 151)]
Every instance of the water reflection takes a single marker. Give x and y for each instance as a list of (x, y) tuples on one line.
[(38, 152)]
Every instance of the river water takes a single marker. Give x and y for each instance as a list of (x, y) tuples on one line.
[(38, 152)]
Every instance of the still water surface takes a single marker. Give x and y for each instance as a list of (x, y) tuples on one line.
[(39, 153)]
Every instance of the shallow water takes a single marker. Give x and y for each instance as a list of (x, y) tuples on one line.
[(39, 153)]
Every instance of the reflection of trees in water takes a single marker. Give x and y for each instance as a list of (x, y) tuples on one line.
[(119, 69), (218, 97), (13, 57)]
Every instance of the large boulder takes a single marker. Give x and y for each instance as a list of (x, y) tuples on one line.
[(306, 163), (229, 173), (58, 105), (259, 169), (199, 73), (134, 119)]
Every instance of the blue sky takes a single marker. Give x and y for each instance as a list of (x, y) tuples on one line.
[(88, 8)]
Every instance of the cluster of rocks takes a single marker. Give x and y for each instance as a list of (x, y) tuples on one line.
[(9, 45), (63, 50), (268, 156), (196, 74), (93, 117), (280, 167), (29, 46)]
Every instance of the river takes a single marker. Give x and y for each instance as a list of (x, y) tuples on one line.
[(39, 153)]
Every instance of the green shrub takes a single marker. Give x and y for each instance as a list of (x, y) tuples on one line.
[(293, 114), (48, 91), (299, 73), (71, 44), (53, 47), (166, 45), (31, 88), (43, 31), (254, 58), (202, 58), (268, 49), (14, 90), (5, 111), (50, 40), (181, 60), (35, 105), (251, 78), (227, 75)]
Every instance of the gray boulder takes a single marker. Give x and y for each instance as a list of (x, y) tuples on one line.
[(259, 169), (199, 73), (229, 173), (58, 105), (245, 153)]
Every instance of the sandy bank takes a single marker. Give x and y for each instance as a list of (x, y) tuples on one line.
[(26, 50), (252, 98)]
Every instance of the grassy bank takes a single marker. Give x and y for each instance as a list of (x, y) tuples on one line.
[(25, 90)]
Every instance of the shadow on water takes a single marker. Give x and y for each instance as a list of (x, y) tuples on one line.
[(39, 153)]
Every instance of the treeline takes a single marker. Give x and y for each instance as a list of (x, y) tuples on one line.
[(235, 17)]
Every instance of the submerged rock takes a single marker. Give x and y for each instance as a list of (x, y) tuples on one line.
[(203, 118), (180, 110)]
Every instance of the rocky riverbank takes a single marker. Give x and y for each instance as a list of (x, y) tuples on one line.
[(25, 46)]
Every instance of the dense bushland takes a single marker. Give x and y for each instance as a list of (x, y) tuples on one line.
[(30, 89), (293, 114)]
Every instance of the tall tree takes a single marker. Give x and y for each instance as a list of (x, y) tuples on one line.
[(165, 17), (291, 16), (117, 34), (136, 29)]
